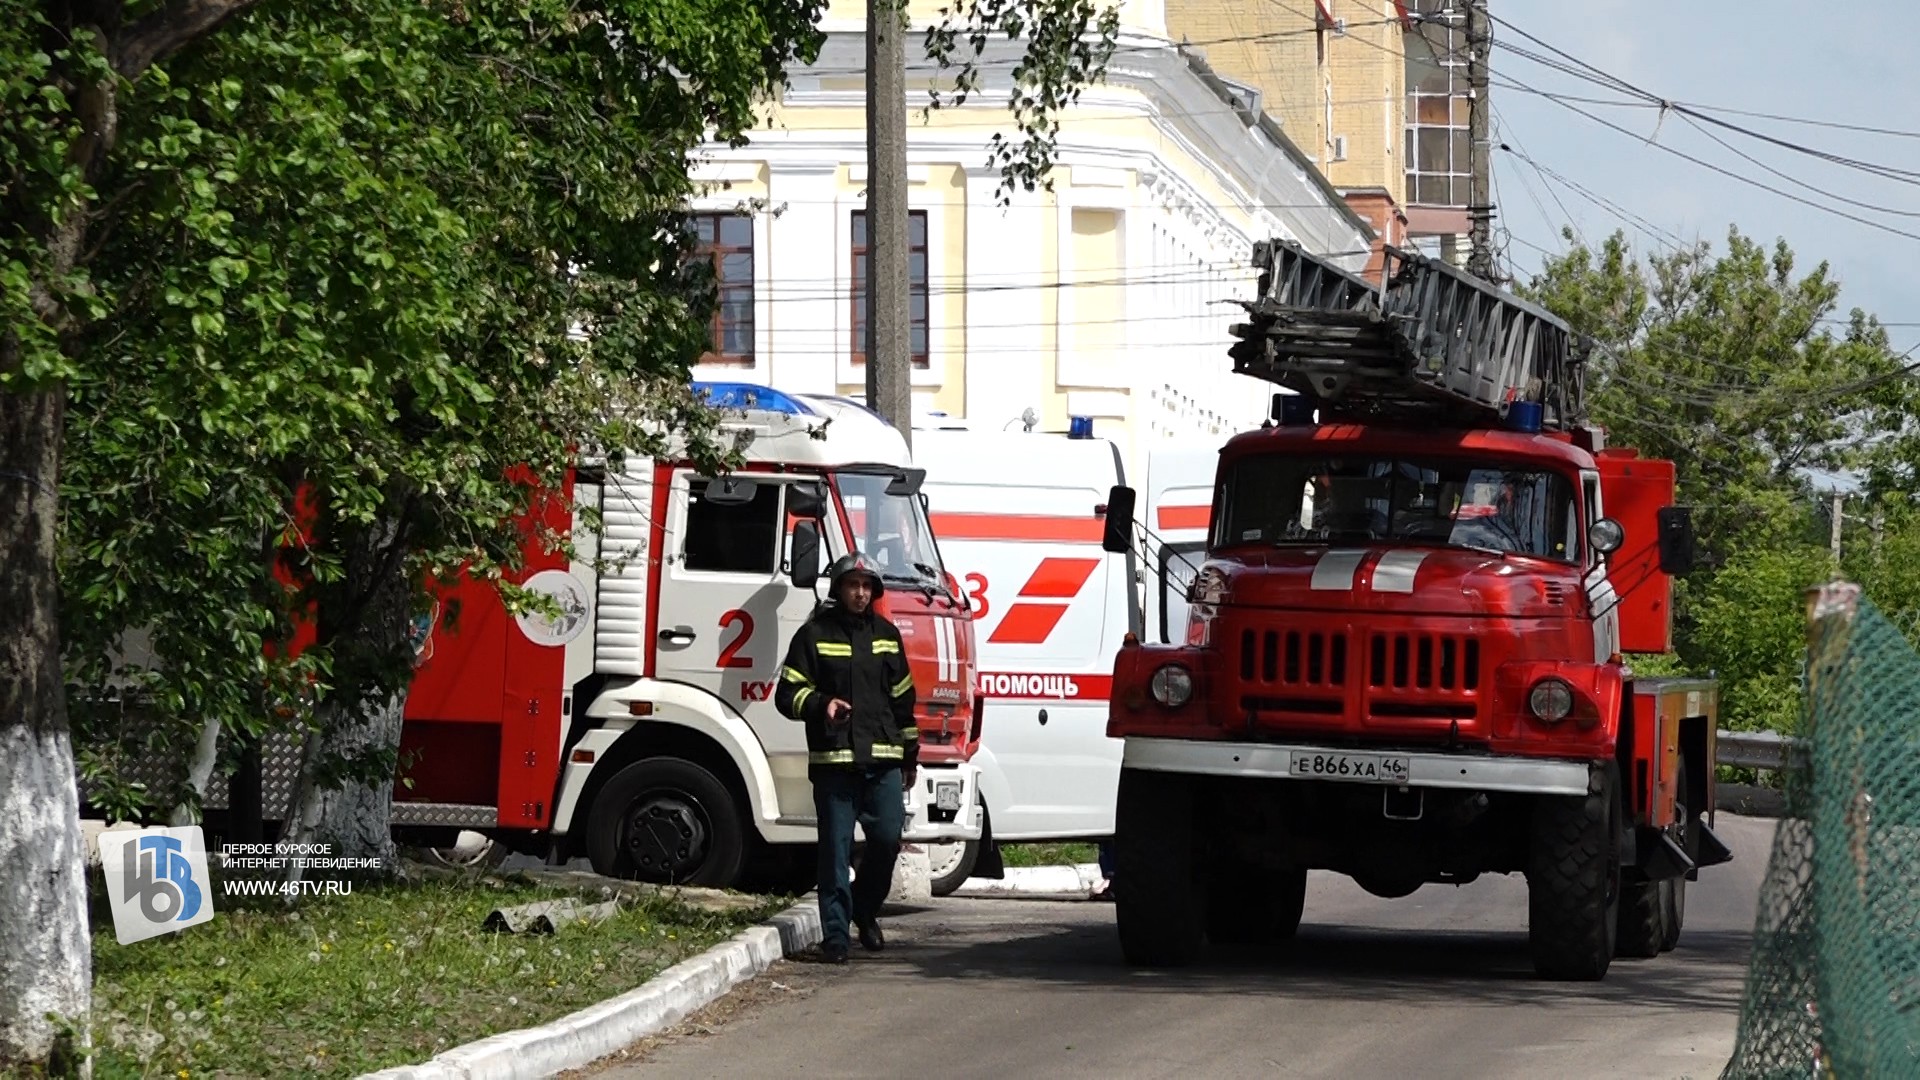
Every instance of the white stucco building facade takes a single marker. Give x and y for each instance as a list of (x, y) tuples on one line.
[(1107, 297)]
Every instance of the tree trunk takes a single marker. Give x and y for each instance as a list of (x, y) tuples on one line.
[(200, 775), (354, 818), (365, 621), (46, 961)]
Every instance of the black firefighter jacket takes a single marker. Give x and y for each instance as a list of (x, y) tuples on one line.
[(858, 659)]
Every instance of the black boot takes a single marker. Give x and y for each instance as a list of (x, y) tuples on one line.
[(835, 953), (870, 936)]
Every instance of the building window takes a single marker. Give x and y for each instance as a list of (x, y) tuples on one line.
[(727, 239), (916, 282), (1438, 165), (738, 535)]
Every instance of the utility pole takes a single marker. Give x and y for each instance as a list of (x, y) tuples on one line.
[(889, 360), (1479, 139), (1837, 519)]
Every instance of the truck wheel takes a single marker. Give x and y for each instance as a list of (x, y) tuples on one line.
[(1643, 919), (667, 821), (1676, 890), (1157, 901), (951, 865), (1254, 906), (1573, 882)]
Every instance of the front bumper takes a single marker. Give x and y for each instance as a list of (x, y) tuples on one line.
[(1272, 761), (943, 805)]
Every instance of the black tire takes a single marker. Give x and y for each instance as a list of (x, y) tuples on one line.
[(1248, 906), (1675, 897), (947, 882), (1573, 882), (1159, 905), (667, 821), (1643, 919)]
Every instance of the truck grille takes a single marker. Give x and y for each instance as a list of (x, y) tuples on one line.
[(1304, 659), (1424, 662)]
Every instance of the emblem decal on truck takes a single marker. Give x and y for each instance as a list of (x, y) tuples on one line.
[(576, 608)]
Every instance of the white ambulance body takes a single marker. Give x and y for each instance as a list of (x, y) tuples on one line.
[(1176, 508), (1019, 519)]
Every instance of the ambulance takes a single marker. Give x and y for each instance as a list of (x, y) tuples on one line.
[(1019, 518)]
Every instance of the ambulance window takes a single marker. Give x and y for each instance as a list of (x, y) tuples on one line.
[(730, 537)]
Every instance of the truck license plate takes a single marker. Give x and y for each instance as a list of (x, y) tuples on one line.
[(946, 796), (1365, 768)]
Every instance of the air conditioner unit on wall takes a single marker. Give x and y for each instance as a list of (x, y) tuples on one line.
[(1339, 148)]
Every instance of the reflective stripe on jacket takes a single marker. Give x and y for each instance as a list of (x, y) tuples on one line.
[(859, 660)]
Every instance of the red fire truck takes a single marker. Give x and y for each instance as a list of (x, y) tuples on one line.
[(637, 729), (1405, 657)]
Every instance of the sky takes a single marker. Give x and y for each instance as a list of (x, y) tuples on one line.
[(1844, 64)]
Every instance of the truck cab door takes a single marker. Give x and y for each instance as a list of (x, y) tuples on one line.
[(726, 611)]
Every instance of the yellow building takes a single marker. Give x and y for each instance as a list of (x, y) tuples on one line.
[(1374, 89), (1107, 297)]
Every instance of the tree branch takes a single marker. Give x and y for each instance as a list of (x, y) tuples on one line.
[(169, 30)]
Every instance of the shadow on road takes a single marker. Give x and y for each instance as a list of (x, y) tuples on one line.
[(1338, 963)]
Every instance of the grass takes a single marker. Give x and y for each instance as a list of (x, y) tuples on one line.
[(386, 976), (1048, 854)]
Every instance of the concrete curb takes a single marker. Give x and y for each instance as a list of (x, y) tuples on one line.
[(597, 1031), (1036, 882)]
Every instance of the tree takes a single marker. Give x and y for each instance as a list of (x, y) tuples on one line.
[(1726, 365), (65, 68), (345, 248), (1068, 44)]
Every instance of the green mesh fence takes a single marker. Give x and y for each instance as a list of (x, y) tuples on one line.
[(1834, 990)]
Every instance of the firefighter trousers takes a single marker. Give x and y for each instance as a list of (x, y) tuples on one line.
[(872, 796)]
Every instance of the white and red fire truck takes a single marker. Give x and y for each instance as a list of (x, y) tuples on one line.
[(638, 728), (1405, 651)]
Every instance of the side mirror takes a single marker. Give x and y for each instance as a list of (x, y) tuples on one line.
[(806, 500), (803, 567), (1676, 540), (1605, 536), (906, 482), (729, 491), (1118, 537)]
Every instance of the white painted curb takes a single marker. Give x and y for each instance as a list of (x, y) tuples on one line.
[(1077, 882), (600, 1030)]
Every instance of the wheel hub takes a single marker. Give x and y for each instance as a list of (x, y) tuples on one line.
[(942, 859), (666, 837)]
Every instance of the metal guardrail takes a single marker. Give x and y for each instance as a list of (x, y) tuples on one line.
[(1759, 750)]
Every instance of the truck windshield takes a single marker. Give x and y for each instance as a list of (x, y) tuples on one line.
[(1358, 499), (891, 529)]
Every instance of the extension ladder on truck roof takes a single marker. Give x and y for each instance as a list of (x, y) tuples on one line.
[(1434, 343)]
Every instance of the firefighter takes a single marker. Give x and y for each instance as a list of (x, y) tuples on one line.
[(846, 678)]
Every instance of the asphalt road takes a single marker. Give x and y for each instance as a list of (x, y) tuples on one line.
[(1434, 985)]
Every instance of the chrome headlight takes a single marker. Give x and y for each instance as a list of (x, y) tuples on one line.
[(1172, 686), (1551, 700)]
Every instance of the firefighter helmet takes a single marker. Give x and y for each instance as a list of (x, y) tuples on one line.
[(857, 563)]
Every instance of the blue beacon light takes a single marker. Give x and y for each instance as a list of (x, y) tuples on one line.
[(1080, 427), (1524, 417), (735, 395)]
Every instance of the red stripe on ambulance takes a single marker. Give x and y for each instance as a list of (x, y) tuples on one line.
[(1054, 579), (1043, 686), (953, 525), (1185, 517)]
